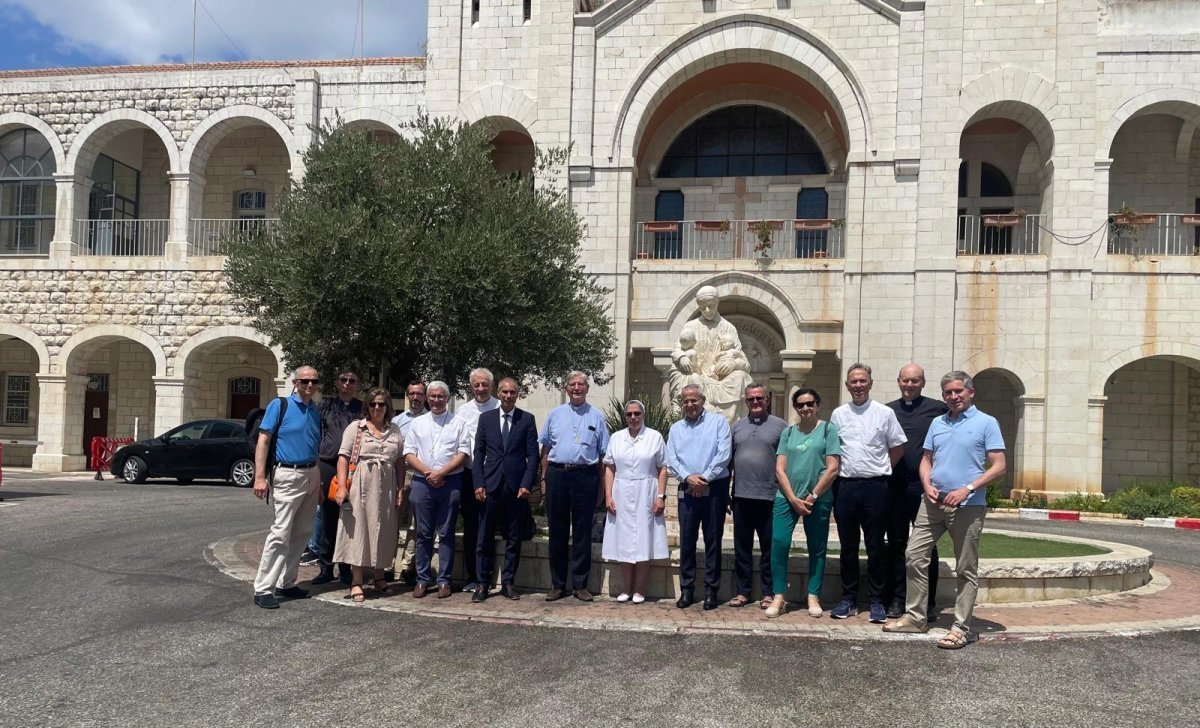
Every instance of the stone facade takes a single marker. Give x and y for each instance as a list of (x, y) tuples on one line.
[(929, 116)]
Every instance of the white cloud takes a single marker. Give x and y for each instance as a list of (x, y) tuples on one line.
[(151, 31)]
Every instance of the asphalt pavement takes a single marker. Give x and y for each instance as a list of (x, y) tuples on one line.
[(110, 616)]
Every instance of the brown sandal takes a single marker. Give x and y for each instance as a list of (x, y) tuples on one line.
[(766, 601), (359, 597), (739, 600), (382, 587), (954, 640)]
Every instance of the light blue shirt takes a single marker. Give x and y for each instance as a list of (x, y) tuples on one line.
[(404, 420), (700, 448), (575, 435), (300, 433), (959, 449)]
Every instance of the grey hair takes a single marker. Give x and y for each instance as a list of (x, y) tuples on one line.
[(695, 389), (484, 372), (437, 384), (297, 370), (576, 374), (756, 385), (859, 365), (638, 402), (957, 375)]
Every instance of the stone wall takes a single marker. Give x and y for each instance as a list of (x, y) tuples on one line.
[(17, 357), (256, 147)]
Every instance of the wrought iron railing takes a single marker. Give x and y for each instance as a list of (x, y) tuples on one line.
[(1012, 234), (731, 239), (209, 234), (1154, 234), (121, 237)]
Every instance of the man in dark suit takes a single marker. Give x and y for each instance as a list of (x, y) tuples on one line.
[(506, 459)]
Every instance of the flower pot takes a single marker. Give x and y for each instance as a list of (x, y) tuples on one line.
[(1190, 219), (645, 256), (661, 227), (1139, 219), (712, 226), (772, 224), (1010, 220), (814, 224), (820, 254)]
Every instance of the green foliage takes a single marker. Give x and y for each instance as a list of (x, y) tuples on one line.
[(657, 417), (417, 259), (1187, 494), (993, 495), (1030, 500), (1086, 502), (1153, 500)]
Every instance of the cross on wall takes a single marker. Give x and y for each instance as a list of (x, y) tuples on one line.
[(739, 197)]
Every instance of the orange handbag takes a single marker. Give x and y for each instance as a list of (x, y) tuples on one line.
[(333, 483)]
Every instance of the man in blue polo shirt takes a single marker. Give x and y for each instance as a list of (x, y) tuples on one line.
[(698, 453), (294, 484), (957, 447)]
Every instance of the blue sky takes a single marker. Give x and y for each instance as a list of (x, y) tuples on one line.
[(57, 33)]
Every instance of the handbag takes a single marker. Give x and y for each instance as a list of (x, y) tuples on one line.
[(333, 483)]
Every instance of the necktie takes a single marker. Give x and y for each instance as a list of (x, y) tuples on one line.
[(504, 429)]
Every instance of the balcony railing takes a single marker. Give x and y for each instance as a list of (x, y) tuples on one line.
[(121, 237), (1154, 234), (731, 239), (25, 236), (208, 234), (1000, 234)]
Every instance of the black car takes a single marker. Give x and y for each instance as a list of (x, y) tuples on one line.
[(203, 449)]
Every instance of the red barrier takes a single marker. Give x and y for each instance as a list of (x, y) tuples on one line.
[(102, 453)]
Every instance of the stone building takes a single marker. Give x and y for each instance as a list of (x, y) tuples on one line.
[(843, 172)]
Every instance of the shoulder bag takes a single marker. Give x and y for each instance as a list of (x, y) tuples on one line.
[(333, 483)]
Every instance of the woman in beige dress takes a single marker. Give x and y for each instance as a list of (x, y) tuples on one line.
[(368, 529)]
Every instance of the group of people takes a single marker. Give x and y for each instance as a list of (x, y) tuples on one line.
[(881, 471)]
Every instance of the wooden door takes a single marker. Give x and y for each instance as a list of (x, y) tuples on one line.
[(243, 396)]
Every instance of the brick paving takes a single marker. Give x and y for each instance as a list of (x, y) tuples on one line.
[(1171, 602)]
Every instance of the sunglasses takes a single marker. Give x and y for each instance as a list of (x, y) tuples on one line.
[(756, 399), (347, 380), (805, 405), (308, 382), (380, 405), (633, 414)]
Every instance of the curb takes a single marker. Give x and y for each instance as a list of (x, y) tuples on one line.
[(1044, 514)]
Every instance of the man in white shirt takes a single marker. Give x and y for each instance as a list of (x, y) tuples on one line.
[(436, 450), (415, 394), (872, 442), (481, 401)]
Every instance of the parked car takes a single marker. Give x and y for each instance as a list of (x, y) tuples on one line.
[(203, 449)]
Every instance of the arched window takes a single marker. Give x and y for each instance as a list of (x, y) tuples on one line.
[(27, 194), (743, 141)]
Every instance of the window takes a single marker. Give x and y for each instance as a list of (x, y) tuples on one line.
[(27, 193), (244, 385), (527, 8), (16, 399), (812, 204), (993, 182), (743, 141), (190, 431), (474, 11), (115, 196), (224, 430), (250, 204), (668, 206)]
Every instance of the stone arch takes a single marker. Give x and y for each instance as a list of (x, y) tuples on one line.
[(106, 333), (1183, 145), (1022, 112), (107, 126), (34, 341), (221, 335), (745, 286), (1188, 354), (1008, 84), (13, 120), (1019, 371), (745, 37), (1181, 102), (375, 118), (499, 101), (200, 142), (822, 133)]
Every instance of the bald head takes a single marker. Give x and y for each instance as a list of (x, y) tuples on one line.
[(911, 380)]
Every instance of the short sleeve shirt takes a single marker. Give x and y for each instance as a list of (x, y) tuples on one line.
[(575, 435), (868, 431), (754, 447), (806, 457), (300, 432), (435, 439), (959, 449)]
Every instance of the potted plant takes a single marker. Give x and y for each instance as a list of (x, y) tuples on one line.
[(661, 227), (1131, 218), (1011, 219), (764, 230), (1190, 219), (815, 223), (712, 226)]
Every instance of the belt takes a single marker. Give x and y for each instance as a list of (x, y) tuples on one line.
[(569, 468), (297, 466)]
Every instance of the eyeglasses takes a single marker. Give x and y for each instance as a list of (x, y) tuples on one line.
[(633, 414), (756, 399), (805, 405), (347, 380), (308, 382), (381, 405)]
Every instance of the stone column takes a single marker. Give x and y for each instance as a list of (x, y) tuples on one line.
[(177, 227), (64, 224), (1027, 454), (50, 456), (283, 387), (306, 112), (663, 363), (797, 363), (1093, 482), (168, 403)]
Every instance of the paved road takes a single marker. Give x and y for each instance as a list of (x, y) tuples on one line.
[(110, 616)]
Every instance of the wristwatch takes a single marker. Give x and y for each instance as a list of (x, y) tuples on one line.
[(970, 489), (662, 497)]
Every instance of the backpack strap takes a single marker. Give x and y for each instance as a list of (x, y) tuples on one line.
[(271, 459)]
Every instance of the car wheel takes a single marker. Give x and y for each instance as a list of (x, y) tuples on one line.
[(134, 470), (184, 481), (241, 473)]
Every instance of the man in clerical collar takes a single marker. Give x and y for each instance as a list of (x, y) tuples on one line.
[(481, 401), (698, 451)]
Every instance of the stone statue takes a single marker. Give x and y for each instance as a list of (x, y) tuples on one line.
[(709, 355)]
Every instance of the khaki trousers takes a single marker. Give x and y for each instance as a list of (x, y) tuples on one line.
[(295, 495), (965, 525)]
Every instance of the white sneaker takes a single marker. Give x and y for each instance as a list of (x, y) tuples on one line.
[(622, 597), (638, 598)]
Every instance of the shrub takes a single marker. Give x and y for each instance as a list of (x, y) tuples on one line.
[(993, 495), (657, 417), (1086, 502), (1030, 500), (1187, 494)]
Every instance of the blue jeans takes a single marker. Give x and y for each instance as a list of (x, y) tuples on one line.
[(435, 511), (314, 543)]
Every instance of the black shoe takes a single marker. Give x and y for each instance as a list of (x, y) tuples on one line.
[(266, 601), (555, 594), (508, 592), (896, 610), (710, 601), (481, 594), (292, 592), (686, 599), (309, 558), (324, 577)]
